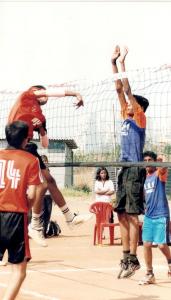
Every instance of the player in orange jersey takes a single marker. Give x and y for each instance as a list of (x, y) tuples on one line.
[(19, 175), (129, 197), (28, 109)]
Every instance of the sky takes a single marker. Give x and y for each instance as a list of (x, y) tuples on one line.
[(55, 42)]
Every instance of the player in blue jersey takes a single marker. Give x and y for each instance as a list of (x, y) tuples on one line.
[(129, 197), (157, 216)]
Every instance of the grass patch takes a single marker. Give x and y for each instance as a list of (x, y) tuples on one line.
[(77, 191)]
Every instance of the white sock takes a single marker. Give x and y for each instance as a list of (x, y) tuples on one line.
[(36, 221), (67, 213)]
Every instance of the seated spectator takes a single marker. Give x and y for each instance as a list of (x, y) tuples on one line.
[(104, 187)]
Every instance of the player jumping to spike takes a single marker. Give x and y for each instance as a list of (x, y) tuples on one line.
[(28, 108)]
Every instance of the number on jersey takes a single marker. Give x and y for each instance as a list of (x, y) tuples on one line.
[(7, 170)]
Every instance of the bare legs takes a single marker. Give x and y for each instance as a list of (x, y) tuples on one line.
[(129, 226), (15, 281)]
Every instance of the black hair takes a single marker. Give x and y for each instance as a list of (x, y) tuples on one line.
[(143, 102), (31, 148), (150, 154), (16, 132), (40, 87), (98, 173)]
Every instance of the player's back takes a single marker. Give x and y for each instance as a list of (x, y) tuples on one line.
[(16, 167), (26, 108)]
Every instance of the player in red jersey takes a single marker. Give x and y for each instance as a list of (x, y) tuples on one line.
[(19, 175), (28, 109)]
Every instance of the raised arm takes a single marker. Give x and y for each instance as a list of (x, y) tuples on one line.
[(118, 82), (60, 92), (126, 85), (162, 171), (125, 81)]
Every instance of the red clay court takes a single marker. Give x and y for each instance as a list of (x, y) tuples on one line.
[(72, 268)]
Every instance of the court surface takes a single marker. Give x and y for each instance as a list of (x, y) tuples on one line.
[(72, 268)]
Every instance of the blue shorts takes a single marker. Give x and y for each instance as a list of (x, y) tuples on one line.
[(156, 230)]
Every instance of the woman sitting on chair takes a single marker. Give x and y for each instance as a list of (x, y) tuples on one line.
[(104, 187)]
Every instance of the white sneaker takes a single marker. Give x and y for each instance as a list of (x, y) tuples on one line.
[(78, 220), (148, 279), (37, 236)]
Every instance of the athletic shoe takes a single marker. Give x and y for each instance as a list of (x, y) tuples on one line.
[(124, 268), (148, 279), (37, 236), (78, 220), (132, 267)]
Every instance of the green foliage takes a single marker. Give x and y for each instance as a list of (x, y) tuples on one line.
[(83, 188), (76, 191), (167, 151)]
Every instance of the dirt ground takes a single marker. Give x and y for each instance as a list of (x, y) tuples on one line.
[(72, 268)]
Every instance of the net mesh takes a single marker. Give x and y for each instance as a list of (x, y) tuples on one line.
[(90, 135)]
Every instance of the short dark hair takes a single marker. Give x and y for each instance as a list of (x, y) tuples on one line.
[(39, 87), (150, 154), (143, 102), (98, 173), (31, 147), (16, 132)]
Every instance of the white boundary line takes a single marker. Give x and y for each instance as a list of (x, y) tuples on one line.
[(77, 269), (43, 296), (32, 293)]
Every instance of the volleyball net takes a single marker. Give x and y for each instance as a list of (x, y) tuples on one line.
[(90, 136), (95, 128)]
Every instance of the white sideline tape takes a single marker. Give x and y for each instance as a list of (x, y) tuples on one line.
[(31, 293), (70, 270), (42, 296)]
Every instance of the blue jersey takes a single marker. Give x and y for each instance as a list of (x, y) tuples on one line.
[(155, 196), (132, 141)]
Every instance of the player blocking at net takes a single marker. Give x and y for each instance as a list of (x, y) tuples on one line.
[(129, 197), (28, 108)]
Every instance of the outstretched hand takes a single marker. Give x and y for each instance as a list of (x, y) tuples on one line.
[(123, 54), (161, 158), (36, 122), (115, 54), (79, 102)]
